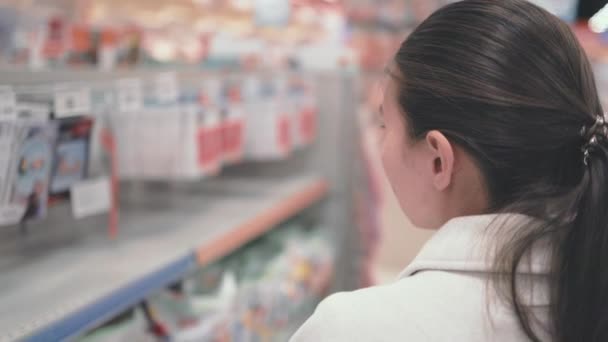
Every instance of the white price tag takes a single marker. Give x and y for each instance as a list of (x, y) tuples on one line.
[(212, 118), (11, 214), (130, 97), (91, 197), (166, 87), (212, 89), (8, 105), (33, 112), (69, 103), (235, 111)]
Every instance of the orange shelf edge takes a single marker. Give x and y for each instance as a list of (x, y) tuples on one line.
[(261, 223)]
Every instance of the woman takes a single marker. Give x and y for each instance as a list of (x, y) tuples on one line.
[(491, 132)]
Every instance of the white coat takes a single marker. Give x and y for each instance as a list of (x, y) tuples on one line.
[(441, 296)]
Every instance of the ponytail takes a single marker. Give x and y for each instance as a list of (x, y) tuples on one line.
[(580, 298)]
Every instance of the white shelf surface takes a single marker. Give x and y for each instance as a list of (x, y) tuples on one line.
[(38, 298)]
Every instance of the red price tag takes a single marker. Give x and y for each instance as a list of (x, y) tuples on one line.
[(284, 133), (232, 139), (236, 136), (209, 147), (308, 124), (225, 137)]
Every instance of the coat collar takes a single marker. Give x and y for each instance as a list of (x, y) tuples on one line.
[(466, 244)]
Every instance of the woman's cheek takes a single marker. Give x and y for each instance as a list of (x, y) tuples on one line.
[(389, 154)]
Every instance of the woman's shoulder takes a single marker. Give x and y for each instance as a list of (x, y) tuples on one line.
[(411, 308)]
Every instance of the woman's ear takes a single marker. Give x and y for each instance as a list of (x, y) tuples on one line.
[(442, 157)]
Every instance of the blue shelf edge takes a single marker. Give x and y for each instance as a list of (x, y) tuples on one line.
[(98, 312)]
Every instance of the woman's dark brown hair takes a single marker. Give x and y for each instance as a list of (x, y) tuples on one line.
[(510, 83)]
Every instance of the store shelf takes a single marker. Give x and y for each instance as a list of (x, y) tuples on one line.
[(267, 219), (79, 287)]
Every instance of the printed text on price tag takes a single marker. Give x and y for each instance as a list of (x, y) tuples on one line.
[(68, 103)]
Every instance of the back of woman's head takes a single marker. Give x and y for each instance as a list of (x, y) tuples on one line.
[(509, 83)]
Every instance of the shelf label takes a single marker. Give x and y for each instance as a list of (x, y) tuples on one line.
[(33, 112), (68, 103), (11, 214), (91, 197), (129, 95), (166, 87), (8, 104)]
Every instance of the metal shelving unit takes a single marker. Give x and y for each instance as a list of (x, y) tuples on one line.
[(67, 278), (100, 279)]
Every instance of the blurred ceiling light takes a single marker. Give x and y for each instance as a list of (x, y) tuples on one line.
[(599, 22), (163, 50), (242, 5)]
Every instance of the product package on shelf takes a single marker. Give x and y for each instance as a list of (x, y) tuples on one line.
[(174, 309), (303, 109), (158, 138), (158, 133), (55, 41), (123, 117), (128, 46), (9, 18), (72, 112), (34, 159), (27, 142), (188, 154), (309, 111), (263, 292), (10, 213), (288, 107), (233, 122), (83, 45), (209, 135), (71, 154), (148, 128), (268, 133), (201, 127), (56, 124)]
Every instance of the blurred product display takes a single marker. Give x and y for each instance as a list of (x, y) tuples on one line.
[(259, 293), (194, 170)]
